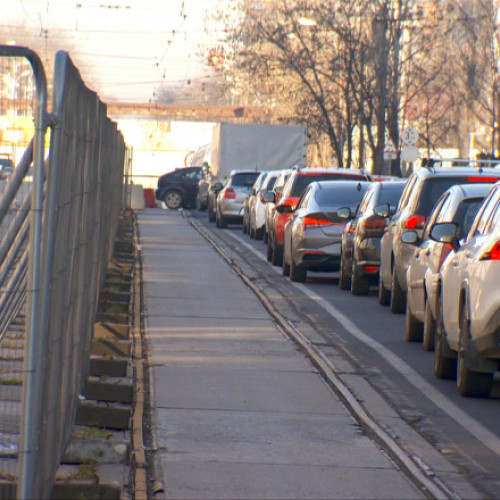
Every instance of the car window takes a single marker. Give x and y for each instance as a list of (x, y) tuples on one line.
[(304, 201), (406, 192), (466, 211), (437, 214), (430, 191), (244, 179), (390, 193), (333, 196), (494, 218), (479, 224), (269, 183), (302, 181), (365, 202)]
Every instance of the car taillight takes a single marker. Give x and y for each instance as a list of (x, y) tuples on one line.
[(493, 253), (372, 226), (445, 250), (316, 221), (415, 222), (483, 179), (229, 194), (262, 197), (371, 269)]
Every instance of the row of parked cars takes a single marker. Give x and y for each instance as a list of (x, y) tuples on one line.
[(429, 243)]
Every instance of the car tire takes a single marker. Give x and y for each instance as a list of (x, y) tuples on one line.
[(413, 329), (444, 367), (265, 237), (398, 296), (211, 215), (285, 270), (359, 284), (277, 258), (259, 234), (384, 296), (429, 328), (251, 232), (470, 383), (298, 273), (269, 254), (221, 221), (173, 199), (344, 278)]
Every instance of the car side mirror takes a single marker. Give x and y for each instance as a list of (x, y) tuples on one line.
[(344, 213), (269, 197), (383, 210), (410, 237), (446, 232)]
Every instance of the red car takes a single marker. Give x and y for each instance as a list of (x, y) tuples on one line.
[(292, 191)]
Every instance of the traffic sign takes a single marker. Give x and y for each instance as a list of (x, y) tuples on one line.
[(409, 153), (409, 136), (390, 151)]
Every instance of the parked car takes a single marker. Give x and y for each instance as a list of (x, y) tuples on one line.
[(270, 199), (178, 189), (203, 187), (423, 189), (250, 201), (257, 216), (230, 197), (292, 191), (313, 234), (467, 334), (360, 258), (458, 204)]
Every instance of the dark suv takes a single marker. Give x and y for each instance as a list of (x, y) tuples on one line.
[(422, 190), (178, 189)]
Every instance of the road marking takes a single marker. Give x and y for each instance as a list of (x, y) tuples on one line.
[(470, 424)]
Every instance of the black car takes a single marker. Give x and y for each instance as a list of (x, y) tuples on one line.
[(178, 189)]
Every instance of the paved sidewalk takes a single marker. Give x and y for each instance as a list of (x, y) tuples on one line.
[(239, 412)]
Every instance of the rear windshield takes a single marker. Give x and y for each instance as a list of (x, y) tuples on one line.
[(269, 184), (466, 211), (432, 189), (302, 181), (391, 193), (244, 180), (328, 197)]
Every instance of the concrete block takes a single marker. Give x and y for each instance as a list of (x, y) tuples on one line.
[(113, 389), (103, 415)]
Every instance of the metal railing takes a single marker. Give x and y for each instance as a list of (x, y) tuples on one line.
[(56, 250)]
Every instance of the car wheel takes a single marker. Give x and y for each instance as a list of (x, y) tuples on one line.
[(221, 220), (251, 232), (259, 234), (211, 215), (173, 200), (444, 367), (384, 296), (285, 270), (359, 284), (429, 328), (344, 278), (277, 258), (414, 329), (298, 273), (269, 255), (398, 297), (470, 383), (265, 237)]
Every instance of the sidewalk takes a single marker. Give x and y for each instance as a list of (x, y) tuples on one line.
[(238, 411)]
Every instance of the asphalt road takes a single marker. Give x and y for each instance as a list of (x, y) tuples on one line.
[(465, 430)]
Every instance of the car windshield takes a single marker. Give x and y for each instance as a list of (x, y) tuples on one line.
[(302, 181), (244, 180), (335, 197), (432, 189)]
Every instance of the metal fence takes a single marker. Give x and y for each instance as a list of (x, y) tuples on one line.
[(53, 259)]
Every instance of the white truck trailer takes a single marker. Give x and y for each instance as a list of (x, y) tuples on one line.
[(251, 147)]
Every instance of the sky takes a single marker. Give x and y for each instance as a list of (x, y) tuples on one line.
[(136, 51)]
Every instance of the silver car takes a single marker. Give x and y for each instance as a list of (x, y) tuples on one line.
[(458, 204), (230, 198), (313, 235)]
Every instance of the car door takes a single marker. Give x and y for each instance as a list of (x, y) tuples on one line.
[(461, 267)]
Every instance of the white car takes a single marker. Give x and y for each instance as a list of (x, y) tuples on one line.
[(468, 330), (257, 209)]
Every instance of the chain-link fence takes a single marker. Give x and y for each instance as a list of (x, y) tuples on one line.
[(58, 218)]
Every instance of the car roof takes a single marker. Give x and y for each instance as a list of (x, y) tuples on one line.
[(457, 171), (470, 190), (322, 171), (333, 184)]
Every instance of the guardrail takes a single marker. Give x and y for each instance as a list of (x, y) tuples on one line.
[(56, 243)]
